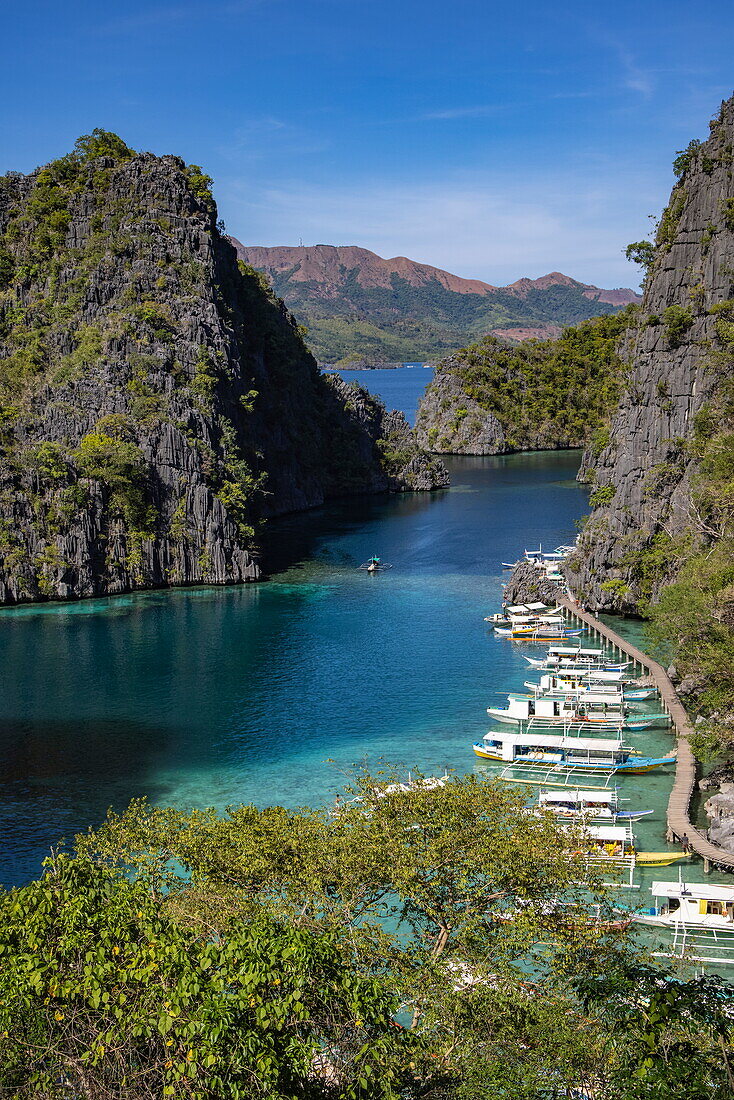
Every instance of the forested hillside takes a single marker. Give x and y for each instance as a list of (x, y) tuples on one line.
[(157, 401), (492, 398), (357, 306)]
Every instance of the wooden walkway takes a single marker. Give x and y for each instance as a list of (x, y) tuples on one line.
[(679, 821)]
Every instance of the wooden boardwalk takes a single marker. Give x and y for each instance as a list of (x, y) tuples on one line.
[(679, 821)]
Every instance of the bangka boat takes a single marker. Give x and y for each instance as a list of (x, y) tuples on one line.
[(695, 905), (576, 658), (525, 611), (539, 632), (564, 751), (558, 712), (375, 564), (590, 803), (586, 684)]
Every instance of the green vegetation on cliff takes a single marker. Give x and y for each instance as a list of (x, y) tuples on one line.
[(660, 541), (549, 393)]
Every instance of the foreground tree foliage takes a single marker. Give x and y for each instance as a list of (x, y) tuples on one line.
[(411, 944)]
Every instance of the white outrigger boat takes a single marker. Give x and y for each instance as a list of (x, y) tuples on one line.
[(593, 713), (576, 658), (595, 803), (700, 916), (579, 685), (698, 905), (565, 752)]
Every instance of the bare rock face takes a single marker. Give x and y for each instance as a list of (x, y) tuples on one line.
[(156, 399), (528, 584), (646, 468), (720, 811), (451, 422)]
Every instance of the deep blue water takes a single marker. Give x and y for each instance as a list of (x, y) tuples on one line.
[(399, 389), (215, 696)]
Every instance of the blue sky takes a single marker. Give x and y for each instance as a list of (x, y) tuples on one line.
[(493, 139)]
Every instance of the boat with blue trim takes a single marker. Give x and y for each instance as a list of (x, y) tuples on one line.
[(565, 751)]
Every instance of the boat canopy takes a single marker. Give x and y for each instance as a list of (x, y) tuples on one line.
[(616, 834), (695, 890), (564, 797), (572, 650), (557, 741)]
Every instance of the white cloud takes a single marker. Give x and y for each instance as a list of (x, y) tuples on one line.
[(450, 113), (493, 229)]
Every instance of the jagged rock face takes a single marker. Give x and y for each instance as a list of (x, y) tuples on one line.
[(675, 366), (156, 400), (528, 584), (451, 422)]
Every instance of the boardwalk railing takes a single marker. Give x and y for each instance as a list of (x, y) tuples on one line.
[(679, 803)]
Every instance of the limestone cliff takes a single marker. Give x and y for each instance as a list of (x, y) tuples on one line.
[(492, 397), (157, 400), (646, 468)]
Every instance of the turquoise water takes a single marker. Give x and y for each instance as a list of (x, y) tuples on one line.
[(214, 696), (270, 693)]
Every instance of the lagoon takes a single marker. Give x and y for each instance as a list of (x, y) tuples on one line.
[(270, 693), (213, 696)]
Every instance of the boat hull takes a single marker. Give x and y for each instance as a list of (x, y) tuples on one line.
[(658, 859), (633, 766)]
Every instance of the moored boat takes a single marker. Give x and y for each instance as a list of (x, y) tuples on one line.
[(564, 751), (587, 684), (695, 905), (595, 803), (592, 713)]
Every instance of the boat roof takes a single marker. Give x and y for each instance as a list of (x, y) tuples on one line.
[(575, 650), (608, 832), (601, 675), (556, 740), (694, 890), (519, 608), (579, 796)]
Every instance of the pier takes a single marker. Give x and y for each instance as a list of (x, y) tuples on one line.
[(679, 803)]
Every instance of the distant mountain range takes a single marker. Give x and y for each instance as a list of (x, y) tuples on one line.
[(358, 306)]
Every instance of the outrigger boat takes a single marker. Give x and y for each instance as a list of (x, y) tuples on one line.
[(593, 713), (538, 632), (579, 685), (700, 917), (519, 619), (697, 905), (597, 803), (565, 752), (374, 565), (575, 658)]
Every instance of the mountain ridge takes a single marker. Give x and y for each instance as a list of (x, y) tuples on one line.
[(307, 256), (356, 304)]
